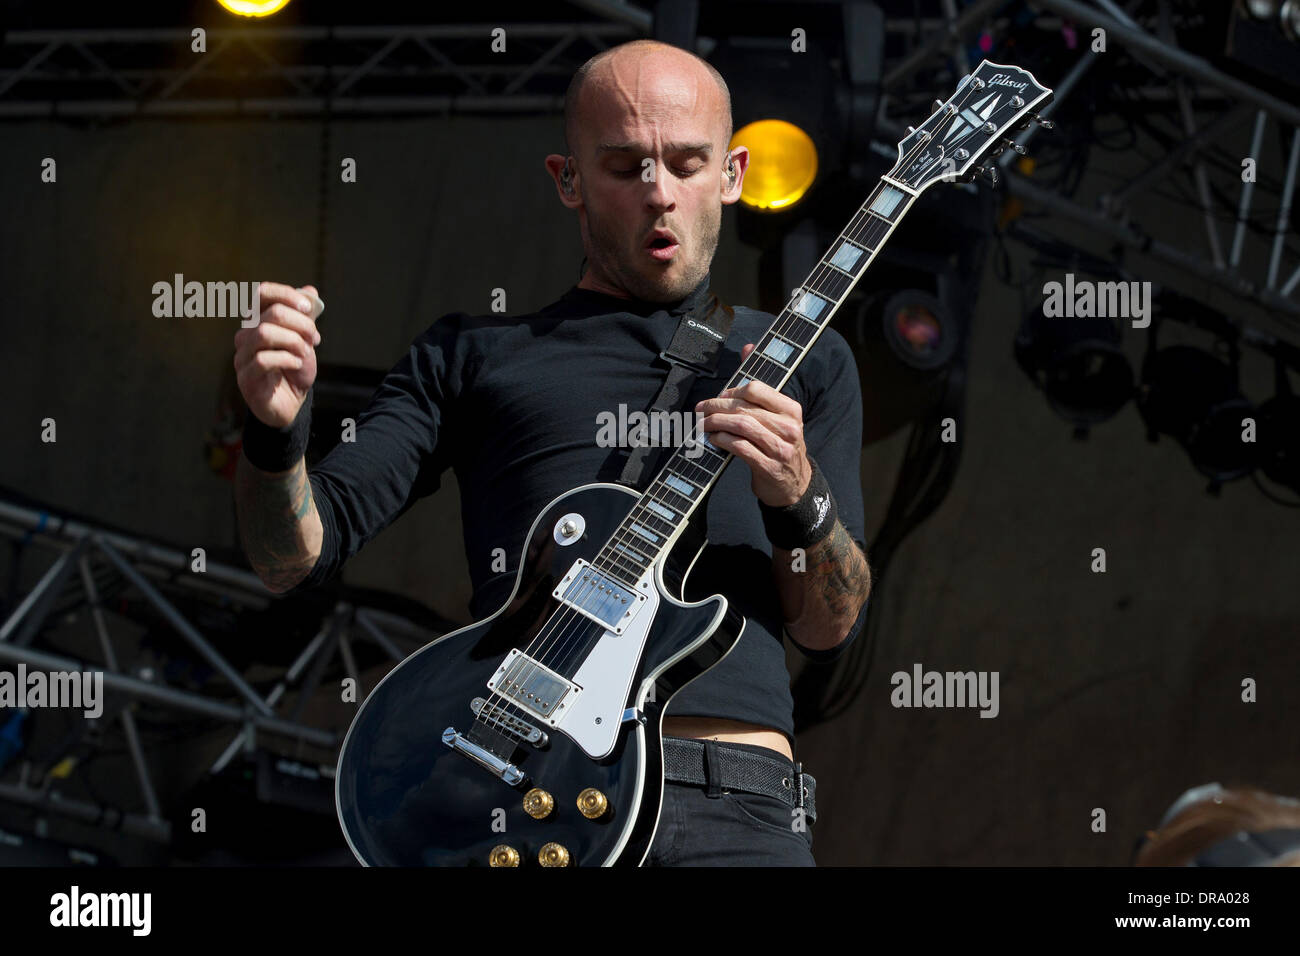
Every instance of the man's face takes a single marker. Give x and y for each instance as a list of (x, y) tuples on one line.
[(649, 154)]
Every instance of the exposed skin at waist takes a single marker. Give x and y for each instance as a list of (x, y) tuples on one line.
[(736, 731)]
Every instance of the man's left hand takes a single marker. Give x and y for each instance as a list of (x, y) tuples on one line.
[(764, 428)]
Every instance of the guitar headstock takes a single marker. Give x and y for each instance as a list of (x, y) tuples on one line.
[(990, 105)]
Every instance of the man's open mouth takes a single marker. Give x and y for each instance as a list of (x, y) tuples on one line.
[(661, 244)]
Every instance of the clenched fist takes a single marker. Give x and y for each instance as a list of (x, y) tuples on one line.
[(275, 361)]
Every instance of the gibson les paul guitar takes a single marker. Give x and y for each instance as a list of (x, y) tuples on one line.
[(534, 737)]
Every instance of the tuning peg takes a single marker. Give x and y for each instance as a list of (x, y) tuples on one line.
[(934, 107), (988, 172), (1012, 144), (911, 130), (1044, 123)]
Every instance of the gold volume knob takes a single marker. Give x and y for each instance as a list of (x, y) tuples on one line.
[(503, 856), (538, 804), (592, 803), (552, 854)]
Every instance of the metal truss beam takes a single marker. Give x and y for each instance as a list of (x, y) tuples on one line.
[(1174, 58), (1131, 236), (355, 70), (135, 561)]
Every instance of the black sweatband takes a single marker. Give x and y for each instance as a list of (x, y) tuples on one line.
[(805, 522), (277, 449)]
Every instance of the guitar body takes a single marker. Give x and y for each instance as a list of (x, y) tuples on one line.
[(406, 797)]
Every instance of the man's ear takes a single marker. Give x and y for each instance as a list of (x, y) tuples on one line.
[(733, 179), (564, 171)]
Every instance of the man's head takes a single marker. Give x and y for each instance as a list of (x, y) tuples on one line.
[(647, 127)]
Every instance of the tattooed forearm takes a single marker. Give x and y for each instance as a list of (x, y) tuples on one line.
[(278, 523), (822, 595)]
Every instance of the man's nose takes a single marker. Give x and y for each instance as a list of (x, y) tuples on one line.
[(660, 190)]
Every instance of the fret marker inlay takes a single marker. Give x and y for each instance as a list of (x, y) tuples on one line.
[(846, 257), (777, 350), (810, 306), (888, 200), (687, 489), (660, 510)]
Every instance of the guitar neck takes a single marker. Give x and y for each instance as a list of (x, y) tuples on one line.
[(655, 522)]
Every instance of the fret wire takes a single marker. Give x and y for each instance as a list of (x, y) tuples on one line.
[(649, 520), (648, 559), (668, 489), (866, 231)]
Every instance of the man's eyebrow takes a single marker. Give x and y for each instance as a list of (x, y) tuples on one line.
[(706, 148)]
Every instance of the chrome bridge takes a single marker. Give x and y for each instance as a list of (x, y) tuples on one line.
[(483, 757), (501, 719)]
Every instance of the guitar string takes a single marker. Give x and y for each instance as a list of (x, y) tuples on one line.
[(870, 238), (561, 624), (561, 627), (782, 328), (563, 633)]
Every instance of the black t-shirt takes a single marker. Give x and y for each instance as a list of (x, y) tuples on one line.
[(512, 405)]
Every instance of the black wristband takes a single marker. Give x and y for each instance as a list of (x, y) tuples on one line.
[(277, 449), (805, 522)]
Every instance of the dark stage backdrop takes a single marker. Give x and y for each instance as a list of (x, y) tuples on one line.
[(1117, 690)]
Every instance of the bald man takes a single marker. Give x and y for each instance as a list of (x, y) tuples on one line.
[(647, 170)]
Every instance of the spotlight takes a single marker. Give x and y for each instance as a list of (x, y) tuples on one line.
[(1078, 364), (1262, 9), (786, 109), (918, 329), (905, 342), (1291, 20), (783, 164), (1192, 396), (253, 8)]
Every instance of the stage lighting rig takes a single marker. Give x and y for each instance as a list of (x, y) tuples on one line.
[(1194, 396), (920, 330), (1079, 365)]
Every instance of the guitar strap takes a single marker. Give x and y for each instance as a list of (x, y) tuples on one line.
[(693, 353)]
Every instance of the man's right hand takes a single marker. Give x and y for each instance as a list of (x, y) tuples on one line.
[(275, 361)]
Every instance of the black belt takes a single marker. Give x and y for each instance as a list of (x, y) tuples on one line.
[(720, 767)]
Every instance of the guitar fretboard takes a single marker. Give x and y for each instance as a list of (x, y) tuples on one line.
[(656, 520)]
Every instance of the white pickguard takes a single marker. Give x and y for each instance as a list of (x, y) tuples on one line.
[(606, 679)]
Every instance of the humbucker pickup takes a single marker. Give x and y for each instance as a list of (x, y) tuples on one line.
[(533, 686), (603, 598)]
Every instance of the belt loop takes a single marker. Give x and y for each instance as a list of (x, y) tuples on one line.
[(712, 770)]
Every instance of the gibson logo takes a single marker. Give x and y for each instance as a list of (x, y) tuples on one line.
[(1001, 79)]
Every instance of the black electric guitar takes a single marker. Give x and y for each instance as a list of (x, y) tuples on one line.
[(534, 736)]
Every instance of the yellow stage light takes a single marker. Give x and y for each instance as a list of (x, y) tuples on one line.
[(782, 164), (253, 8)]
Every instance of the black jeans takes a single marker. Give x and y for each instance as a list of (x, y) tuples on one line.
[(734, 829)]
